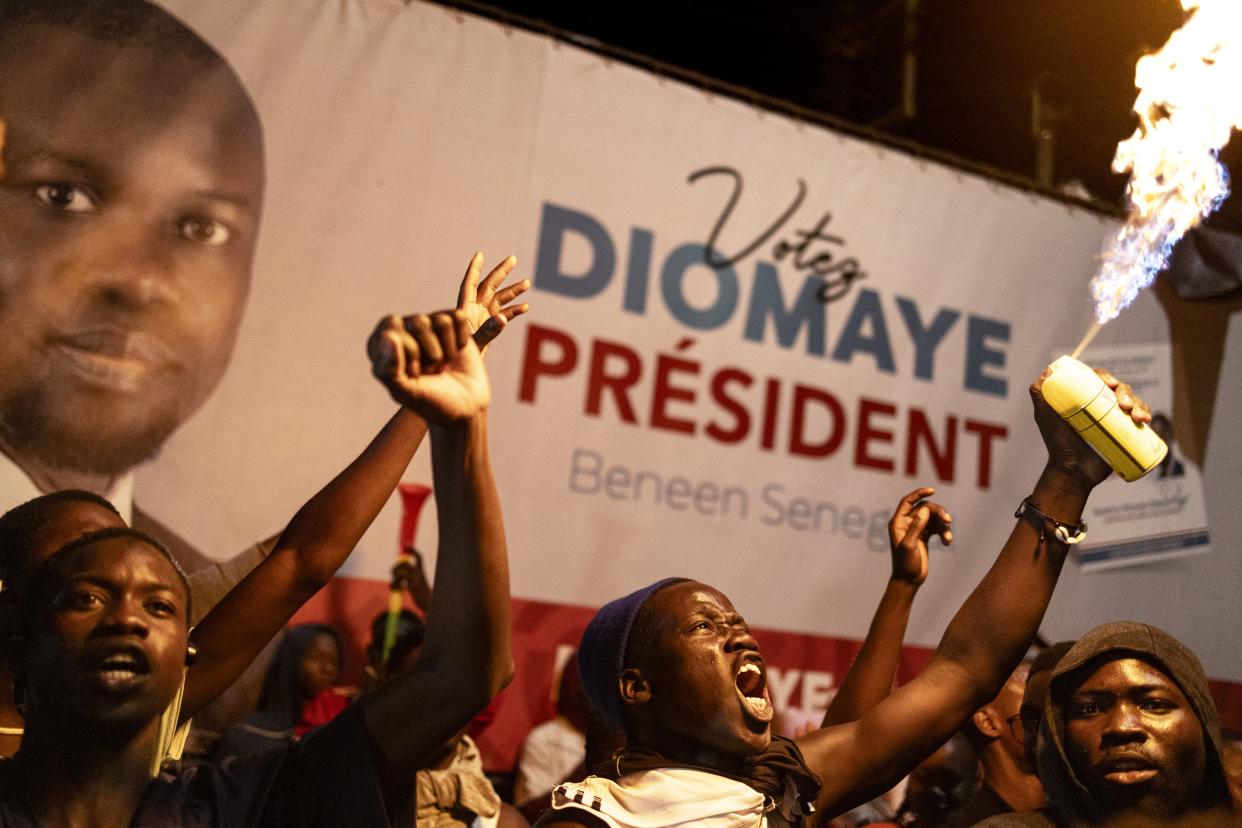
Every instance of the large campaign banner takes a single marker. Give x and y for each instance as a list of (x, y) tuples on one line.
[(749, 337)]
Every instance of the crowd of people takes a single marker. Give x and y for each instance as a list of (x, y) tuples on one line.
[(128, 691)]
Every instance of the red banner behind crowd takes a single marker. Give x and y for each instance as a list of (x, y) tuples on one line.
[(804, 671)]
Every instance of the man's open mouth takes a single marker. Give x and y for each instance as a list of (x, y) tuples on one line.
[(120, 669), (752, 687)]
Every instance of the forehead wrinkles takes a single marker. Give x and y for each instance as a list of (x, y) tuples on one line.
[(696, 597), (693, 602), (671, 621), (1125, 674)]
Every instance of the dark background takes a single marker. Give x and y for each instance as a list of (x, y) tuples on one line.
[(977, 64)]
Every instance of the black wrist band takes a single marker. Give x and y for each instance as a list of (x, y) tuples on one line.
[(1065, 533)]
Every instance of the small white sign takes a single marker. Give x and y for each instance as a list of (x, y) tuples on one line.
[(1161, 515)]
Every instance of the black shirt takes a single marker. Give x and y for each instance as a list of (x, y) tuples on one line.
[(984, 803), (326, 779)]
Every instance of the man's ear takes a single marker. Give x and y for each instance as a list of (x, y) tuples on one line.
[(634, 686), (988, 722)]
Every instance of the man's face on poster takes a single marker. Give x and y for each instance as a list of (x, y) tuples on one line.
[(129, 209)]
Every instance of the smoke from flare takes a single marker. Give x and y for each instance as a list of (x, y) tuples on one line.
[(1188, 104)]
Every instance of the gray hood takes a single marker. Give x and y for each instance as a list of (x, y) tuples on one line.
[(1065, 790)]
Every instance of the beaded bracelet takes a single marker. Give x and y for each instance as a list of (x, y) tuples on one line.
[(1030, 511)]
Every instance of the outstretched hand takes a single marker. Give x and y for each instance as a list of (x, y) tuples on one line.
[(489, 307), (431, 365), (1067, 452), (915, 521)]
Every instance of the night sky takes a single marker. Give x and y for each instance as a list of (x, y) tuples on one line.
[(978, 61)]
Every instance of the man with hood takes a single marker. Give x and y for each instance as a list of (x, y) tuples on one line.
[(1129, 732)]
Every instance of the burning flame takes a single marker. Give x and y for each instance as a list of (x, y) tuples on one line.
[(1189, 102)]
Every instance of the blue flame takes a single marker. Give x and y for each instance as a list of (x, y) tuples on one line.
[(1142, 247)]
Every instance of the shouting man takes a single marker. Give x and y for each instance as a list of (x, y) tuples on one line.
[(675, 666)]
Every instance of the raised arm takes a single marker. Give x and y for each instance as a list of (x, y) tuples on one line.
[(870, 678), (984, 641), (310, 550), (327, 528), (431, 365)]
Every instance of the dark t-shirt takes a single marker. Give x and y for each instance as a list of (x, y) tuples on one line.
[(1025, 819), (984, 803), (326, 779)]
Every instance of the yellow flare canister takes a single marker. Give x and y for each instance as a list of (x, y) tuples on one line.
[(1084, 401)]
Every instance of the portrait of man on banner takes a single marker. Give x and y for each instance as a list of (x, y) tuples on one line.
[(129, 210)]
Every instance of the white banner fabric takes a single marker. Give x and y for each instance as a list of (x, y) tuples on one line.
[(653, 415)]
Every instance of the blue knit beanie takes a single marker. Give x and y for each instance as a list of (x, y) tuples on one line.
[(601, 655)]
